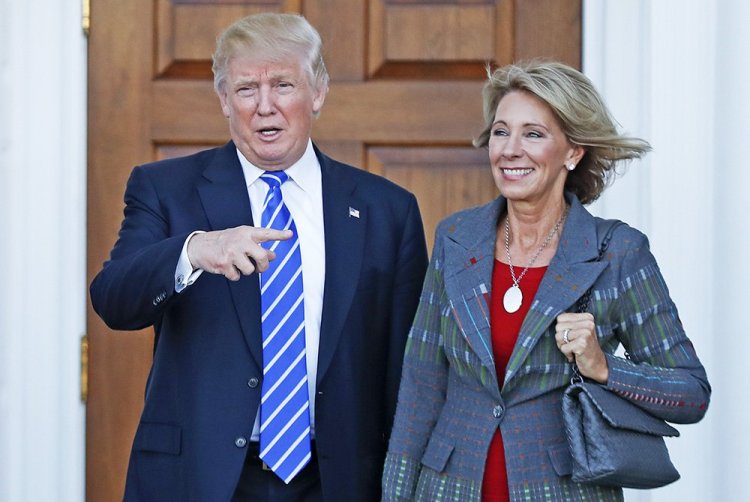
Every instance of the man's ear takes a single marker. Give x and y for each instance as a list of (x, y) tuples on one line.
[(224, 100), (318, 99)]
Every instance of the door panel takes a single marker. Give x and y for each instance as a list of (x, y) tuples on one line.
[(404, 102), (444, 179)]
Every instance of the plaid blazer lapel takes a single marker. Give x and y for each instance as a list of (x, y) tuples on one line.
[(469, 259)]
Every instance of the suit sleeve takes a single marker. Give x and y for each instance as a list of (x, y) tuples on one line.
[(409, 273), (137, 282), (423, 387), (663, 374)]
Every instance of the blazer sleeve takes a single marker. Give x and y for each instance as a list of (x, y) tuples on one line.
[(663, 374), (409, 274), (137, 282), (423, 387)]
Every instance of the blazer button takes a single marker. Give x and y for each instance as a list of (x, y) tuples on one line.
[(240, 442), (253, 382), (497, 411)]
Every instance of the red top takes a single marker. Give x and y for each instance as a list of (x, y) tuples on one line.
[(505, 328)]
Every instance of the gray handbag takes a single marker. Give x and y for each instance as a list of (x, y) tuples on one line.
[(612, 441)]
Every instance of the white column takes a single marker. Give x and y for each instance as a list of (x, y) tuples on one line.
[(655, 64), (42, 216), (682, 190), (729, 233)]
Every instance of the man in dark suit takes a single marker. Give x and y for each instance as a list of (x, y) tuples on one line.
[(225, 417)]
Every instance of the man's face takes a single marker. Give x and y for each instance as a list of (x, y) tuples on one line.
[(270, 106)]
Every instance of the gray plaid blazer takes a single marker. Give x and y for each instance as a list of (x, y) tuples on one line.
[(449, 403)]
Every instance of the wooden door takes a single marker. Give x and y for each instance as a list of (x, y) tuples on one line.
[(404, 102)]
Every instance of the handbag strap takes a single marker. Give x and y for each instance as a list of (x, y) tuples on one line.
[(583, 302)]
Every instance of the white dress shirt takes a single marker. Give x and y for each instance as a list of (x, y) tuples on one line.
[(303, 196)]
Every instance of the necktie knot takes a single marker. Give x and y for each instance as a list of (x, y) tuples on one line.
[(274, 178)]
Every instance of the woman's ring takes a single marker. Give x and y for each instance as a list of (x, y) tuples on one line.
[(565, 336)]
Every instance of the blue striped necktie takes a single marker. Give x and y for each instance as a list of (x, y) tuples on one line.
[(285, 406)]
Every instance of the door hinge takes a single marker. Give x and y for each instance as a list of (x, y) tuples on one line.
[(84, 369), (86, 17)]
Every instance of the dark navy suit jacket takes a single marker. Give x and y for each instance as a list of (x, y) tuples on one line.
[(204, 387)]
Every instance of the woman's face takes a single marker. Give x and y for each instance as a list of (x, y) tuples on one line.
[(528, 149)]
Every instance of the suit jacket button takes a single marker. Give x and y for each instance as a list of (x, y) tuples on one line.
[(240, 442), (253, 382), (497, 411)]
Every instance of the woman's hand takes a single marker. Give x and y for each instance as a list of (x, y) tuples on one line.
[(575, 335)]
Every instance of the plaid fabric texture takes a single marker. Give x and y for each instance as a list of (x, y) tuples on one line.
[(449, 402)]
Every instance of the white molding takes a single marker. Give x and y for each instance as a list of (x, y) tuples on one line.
[(42, 214)]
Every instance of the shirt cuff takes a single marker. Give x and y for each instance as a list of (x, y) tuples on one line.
[(185, 274)]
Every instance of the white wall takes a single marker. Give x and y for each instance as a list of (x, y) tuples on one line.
[(675, 72), (42, 249)]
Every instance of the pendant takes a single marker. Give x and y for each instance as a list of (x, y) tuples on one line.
[(512, 299)]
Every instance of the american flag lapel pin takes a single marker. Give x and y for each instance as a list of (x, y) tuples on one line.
[(353, 213)]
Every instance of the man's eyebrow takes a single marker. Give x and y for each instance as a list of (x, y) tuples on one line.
[(245, 81)]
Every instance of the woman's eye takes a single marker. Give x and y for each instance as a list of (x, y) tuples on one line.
[(535, 134), (499, 132)]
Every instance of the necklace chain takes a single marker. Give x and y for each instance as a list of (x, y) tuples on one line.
[(538, 251)]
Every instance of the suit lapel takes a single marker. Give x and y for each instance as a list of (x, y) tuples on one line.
[(225, 200), (570, 274), (344, 244), (469, 260)]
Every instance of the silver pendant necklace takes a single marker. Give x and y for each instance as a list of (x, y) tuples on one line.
[(513, 297)]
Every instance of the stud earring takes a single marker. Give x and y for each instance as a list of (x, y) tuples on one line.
[(570, 166)]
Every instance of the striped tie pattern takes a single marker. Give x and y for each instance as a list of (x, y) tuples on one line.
[(285, 407)]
